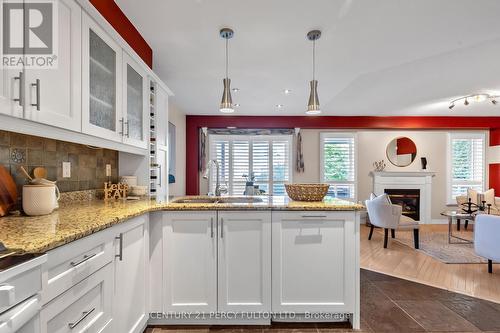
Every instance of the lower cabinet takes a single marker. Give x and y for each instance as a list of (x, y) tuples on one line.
[(86, 307), (131, 277), (190, 261), (217, 261), (315, 265), (244, 261), (98, 283)]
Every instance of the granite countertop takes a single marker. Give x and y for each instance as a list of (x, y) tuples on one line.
[(39, 234)]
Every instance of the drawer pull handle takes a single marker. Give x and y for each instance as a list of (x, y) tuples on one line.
[(85, 314), (212, 227), (85, 258), (120, 254), (314, 216)]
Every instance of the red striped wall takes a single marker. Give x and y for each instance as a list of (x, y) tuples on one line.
[(114, 15), (194, 123)]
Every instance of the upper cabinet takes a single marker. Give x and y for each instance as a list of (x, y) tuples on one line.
[(11, 92), (101, 83), (135, 104), (53, 96), (98, 86)]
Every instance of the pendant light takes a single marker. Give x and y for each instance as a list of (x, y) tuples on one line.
[(313, 105), (226, 104)]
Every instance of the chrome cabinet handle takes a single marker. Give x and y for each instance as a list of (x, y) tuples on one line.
[(120, 254), (221, 227), (85, 314), (21, 85), (212, 227), (122, 122), (85, 258), (159, 174), (127, 126), (37, 85), (314, 216)]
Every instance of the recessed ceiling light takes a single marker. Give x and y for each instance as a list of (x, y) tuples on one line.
[(231, 127), (235, 89), (287, 91), (279, 106)]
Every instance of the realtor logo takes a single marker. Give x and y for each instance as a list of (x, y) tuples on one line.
[(29, 34)]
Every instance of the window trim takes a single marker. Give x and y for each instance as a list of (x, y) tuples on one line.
[(465, 135), (252, 138), (324, 135)]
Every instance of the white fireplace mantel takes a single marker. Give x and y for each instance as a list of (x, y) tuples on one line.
[(421, 180)]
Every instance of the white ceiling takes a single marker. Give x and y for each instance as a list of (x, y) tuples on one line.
[(384, 57)]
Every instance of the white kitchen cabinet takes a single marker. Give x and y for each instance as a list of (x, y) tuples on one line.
[(315, 264), (131, 276), (244, 261), (161, 172), (53, 96), (135, 103), (86, 307), (190, 261), (12, 92), (161, 109), (101, 83)]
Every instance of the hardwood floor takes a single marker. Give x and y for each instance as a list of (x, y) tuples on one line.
[(388, 304), (404, 262)]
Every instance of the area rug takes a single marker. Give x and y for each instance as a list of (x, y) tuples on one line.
[(435, 244)]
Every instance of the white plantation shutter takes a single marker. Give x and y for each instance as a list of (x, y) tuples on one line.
[(268, 157), (338, 164), (467, 158), (282, 163)]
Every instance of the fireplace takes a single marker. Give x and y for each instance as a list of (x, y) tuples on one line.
[(409, 199)]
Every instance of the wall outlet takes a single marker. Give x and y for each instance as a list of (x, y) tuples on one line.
[(108, 170), (66, 169)]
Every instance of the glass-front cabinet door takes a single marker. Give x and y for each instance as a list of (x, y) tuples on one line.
[(134, 103), (101, 83)]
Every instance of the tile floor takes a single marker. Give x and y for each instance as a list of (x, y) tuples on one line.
[(390, 304)]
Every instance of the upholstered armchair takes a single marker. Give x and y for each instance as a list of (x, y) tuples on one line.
[(384, 214), (487, 238)]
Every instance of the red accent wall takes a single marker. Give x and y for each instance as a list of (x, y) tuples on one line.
[(495, 137), (194, 123), (114, 15), (495, 178), (406, 146)]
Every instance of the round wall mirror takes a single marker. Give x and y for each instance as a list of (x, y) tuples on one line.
[(401, 151)]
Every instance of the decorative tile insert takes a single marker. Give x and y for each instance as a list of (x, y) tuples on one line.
[(87, 164)]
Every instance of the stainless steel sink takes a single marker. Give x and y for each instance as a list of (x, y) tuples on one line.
[(195, 200), (231, 200), (237, 200)]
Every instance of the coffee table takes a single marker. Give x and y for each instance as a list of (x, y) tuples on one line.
[(453, 216)]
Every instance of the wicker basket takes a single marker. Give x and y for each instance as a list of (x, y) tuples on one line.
[(307, 192)]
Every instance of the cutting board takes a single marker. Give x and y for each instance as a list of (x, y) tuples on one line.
[(8, 191)]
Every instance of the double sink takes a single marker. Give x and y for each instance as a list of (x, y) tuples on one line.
[(217, 200)]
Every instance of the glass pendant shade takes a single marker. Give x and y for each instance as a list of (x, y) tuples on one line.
[(313, 105), (226, 104)]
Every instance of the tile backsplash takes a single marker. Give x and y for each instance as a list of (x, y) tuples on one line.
[(88, 165)]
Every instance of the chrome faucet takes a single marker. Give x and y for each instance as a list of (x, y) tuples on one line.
[(219, 189)]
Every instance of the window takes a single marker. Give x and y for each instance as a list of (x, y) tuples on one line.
[(267, 157), (466, 164), (338, 156)]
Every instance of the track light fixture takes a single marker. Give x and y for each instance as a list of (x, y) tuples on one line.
[(475, 98)]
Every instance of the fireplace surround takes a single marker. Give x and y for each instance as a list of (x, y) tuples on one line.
[(387, 181)]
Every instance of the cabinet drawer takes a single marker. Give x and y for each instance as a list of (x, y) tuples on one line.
[(70, 264), (84, 308), (19, 287)]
